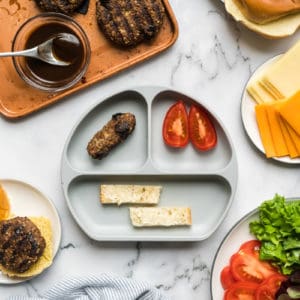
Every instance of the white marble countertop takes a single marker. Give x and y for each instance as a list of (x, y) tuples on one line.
[(211, 60)]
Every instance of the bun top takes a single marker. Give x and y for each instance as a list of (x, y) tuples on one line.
[(264, 11), (280, 28)]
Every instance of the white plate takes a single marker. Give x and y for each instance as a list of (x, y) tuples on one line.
[(26, 200), (231, 243), (248, 115)]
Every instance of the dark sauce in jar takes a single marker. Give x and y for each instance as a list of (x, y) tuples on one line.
[(63, 50)]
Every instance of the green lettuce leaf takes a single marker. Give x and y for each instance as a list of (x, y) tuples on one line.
[(278, 229)]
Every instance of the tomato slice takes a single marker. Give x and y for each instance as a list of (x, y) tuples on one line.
[(175, 126), (201, 129), (248, 267), (226, 278), (251, 246), (241, 291), (267, 290)]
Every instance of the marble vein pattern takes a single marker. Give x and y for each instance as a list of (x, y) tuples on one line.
[(211, 61)]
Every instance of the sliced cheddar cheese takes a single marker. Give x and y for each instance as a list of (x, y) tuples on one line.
[(277, 136), (290, 111), (264, 130), (295, 137), (287, 138)]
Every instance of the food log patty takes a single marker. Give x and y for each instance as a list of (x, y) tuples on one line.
[(21, 244), (129, 22), (63, 6), (113, 133)]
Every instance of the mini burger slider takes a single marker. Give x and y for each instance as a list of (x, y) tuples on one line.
[(25, 246)]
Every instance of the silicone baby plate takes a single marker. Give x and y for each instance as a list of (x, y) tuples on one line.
[(204, 181), (248, 115), (26, 200)]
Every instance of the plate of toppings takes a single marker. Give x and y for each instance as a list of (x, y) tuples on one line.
[(271, 19), (270, 107), (258, 258), (30, 231), (121, 34), (148, 164)]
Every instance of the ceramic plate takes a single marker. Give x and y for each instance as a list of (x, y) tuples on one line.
[(248, 115), (231, 243), (26, 200), (233, 240), (204, 181)]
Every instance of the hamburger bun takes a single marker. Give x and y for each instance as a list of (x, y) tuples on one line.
[(279, 28), (45, 260)]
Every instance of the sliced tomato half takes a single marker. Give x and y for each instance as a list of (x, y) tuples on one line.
[(248, 267), (241, 291), (175, 126), (226, 278), (268, 289), (251, 247), (201, 129)]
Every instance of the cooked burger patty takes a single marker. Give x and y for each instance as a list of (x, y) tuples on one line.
[(21, 244), (129, 22), (63, 6), (113, 133)]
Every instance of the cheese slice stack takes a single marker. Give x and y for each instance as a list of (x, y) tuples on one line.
[(278, 81), (276, 90), (277, 127), (290, 111)]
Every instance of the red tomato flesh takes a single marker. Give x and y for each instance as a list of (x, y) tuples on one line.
[(252, 279), (247, 267), (268, 289), (175, 126), (226, 278), (201, 129), (251, 247), (241, 291)]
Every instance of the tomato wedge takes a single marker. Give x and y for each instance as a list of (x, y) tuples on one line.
[(248, 267), (241, 291), (268, 289), (201, 129), (226, 278), (251, 247), (175, 126)]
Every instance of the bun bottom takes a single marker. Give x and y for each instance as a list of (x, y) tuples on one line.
[(280, 28), (44, 225)]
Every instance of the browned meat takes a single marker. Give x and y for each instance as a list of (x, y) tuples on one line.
[(113, 133), (129, 22), (63, 6), (21, 244)]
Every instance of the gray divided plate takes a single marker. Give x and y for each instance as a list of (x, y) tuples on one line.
[(204, 181)]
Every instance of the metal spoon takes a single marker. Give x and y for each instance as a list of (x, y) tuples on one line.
[(45, 52)]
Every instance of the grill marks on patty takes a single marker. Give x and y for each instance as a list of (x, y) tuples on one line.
[(62, 6), (21, 244), (129, 22)]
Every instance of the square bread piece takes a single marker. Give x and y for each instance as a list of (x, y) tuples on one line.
[(160, 216), (129, 194)]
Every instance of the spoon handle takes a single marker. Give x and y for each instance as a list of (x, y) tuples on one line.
[(29, 52)]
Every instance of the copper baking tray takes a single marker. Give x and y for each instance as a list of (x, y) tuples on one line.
[(17, 99)]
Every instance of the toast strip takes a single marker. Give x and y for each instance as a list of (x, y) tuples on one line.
[(132, 194), (160, 216)]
